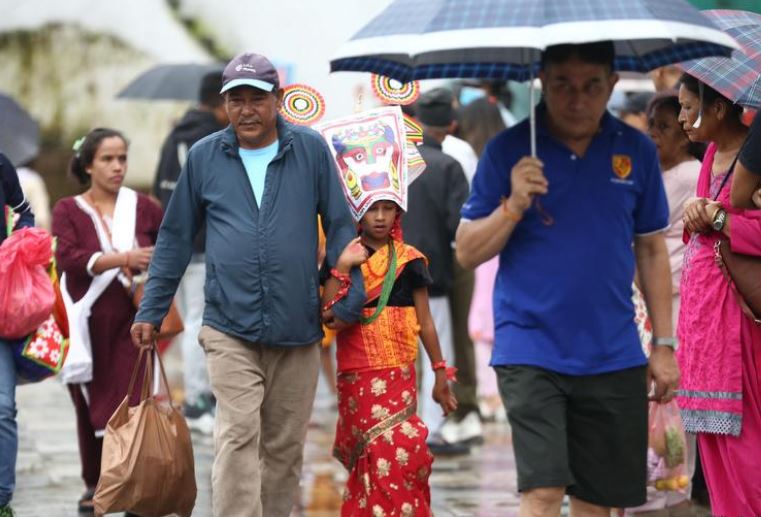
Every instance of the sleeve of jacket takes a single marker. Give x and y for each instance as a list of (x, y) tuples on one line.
[(174, 247), (457, 194), (14, 196), (340, 229)]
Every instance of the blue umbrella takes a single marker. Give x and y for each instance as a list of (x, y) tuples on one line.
[(503, 39), (737, 78)]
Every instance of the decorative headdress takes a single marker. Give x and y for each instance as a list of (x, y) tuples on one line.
[(302, 104), (390, 91), (376, 160)]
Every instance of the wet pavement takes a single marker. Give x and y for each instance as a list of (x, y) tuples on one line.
[(481, 484)]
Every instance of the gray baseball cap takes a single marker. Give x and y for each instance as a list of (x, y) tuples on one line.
[(249, 69)]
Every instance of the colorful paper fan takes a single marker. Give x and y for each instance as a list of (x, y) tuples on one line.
[(392, 91), (302, 104), (413, 130), (415, 162)]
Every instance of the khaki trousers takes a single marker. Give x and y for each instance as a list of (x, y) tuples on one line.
[(264, 402)]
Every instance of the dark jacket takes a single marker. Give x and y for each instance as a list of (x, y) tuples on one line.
[(193, 126), (12, 196), (433, 212), (261, 262)]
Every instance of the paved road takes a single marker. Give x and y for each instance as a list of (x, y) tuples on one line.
[(48, 482)]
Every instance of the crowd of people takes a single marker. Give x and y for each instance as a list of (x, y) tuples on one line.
[(514, 271)]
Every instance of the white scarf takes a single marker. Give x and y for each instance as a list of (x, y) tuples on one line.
[(78, 366)]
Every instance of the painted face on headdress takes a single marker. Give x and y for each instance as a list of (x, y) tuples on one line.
[(366, 155), (372, 155)]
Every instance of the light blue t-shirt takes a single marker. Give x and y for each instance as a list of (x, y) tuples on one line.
[(256, 161)]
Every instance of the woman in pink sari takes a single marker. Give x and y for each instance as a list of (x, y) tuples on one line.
[(720, 351)]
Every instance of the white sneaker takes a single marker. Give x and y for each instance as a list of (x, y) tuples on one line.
[(500, 415), (471, 430), (203, 424), (468, 430)]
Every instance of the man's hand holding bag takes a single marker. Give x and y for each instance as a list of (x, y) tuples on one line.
[(147, 463)]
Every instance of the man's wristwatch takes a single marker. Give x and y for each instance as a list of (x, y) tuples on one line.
[(666, 341), (719, 219)]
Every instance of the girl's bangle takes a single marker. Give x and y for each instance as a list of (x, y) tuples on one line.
[(343, 278), (451, 371), (342, 291)]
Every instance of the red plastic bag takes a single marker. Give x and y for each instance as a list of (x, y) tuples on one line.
[(667, 448), (26, 292)]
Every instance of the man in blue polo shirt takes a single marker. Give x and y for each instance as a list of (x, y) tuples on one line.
[(570, 366)]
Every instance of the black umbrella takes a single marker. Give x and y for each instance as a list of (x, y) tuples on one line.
[(179, 82), (19, 133)]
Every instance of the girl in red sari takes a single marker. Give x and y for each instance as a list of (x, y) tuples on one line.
[(379, 438)]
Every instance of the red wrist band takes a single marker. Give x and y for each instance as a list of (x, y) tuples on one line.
[(343, 278), (450, 370), (342, 292)]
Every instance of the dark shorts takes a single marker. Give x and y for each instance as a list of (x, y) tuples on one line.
[(586, 433)]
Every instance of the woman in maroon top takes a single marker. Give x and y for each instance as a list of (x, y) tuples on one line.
[(101, 239)]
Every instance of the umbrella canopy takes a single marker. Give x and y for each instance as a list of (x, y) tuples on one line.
[(503, 39), (737, 78), (179, 82), (19, 133)]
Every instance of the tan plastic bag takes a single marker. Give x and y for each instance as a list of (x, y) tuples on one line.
[(147, 462)]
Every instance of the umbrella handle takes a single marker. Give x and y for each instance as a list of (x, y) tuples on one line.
[(547, 219), (532, 111)]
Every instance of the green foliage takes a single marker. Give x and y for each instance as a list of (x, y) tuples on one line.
[(743, 5), (674, 447)]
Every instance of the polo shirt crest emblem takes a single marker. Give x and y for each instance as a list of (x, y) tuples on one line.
[(622, 165)]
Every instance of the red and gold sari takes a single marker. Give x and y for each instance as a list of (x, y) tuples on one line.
[(379, 437)]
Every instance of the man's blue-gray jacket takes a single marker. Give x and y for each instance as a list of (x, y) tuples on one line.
[(262, 282)]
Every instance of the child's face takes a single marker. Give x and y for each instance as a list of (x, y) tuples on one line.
[(379, 219)]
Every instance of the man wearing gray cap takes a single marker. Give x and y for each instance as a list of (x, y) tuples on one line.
[(258, 185)]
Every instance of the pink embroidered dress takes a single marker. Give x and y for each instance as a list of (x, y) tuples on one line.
[(720, 360)]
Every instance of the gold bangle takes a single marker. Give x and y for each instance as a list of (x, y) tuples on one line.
[(509, 213)]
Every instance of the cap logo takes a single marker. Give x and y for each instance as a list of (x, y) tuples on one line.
[(245, 67)]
